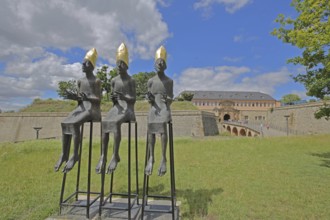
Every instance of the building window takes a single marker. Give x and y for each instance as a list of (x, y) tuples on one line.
[(253, 104)]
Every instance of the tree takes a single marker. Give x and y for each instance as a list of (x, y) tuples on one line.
[(309, 31), (105, 79), (290, 98), (186, 96), (65, 87), (141, 80)]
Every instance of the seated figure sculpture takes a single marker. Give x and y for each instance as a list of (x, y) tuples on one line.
[(123, 97), (160, 96), (88, 109)]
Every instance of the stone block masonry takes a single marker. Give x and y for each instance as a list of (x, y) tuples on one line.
[(16, 127)]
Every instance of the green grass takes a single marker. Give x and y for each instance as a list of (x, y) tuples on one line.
[(216, 178), (50, 105)]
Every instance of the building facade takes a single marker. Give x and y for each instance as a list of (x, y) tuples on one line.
[(234, 105)]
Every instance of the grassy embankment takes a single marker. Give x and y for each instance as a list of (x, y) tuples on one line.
[(216, 178), (51, 105)]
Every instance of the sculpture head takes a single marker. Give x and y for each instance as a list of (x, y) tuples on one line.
[(160, 65), (87, 66), (121, 66), (122, 54), (160, 59)]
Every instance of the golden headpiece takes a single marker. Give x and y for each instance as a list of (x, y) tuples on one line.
[(161, 53), (91, 55), (122, 53)]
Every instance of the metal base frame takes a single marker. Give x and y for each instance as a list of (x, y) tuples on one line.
[(171, 197), (89, 202), (129, 194)]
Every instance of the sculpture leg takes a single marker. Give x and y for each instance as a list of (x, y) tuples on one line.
[(75, 157), (151, 160), (162, 167), (104, 153), (66, 142), (115, 157)]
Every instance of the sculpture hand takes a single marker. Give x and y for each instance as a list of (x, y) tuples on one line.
[(114, 98), (82, 96), (120, 96), (150, 97)]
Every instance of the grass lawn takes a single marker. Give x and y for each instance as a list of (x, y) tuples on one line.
[(216, 177)]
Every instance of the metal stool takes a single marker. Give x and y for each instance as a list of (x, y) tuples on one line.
[(129, 194), (88, 193), (172, 197)]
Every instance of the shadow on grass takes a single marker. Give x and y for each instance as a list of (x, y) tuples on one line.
[(198, 201), (326, 158)]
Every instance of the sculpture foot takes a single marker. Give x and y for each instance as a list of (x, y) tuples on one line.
[(113, 164), (70, 164), (162, 168), (59, 162), (148, 169), (99, 166)]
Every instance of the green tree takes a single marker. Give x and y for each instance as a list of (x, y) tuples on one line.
[(106, 78), (67, 87), (141, 80), (310, 31), (290, 98), (186, 96)]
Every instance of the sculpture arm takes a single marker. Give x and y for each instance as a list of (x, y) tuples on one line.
[(94, 97), (130, 97), (168, 97), (149, 96)]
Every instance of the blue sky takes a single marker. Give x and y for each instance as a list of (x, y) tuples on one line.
[(222, 45)]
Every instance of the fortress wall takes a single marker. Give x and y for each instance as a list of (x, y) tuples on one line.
[(19, 126), (301, 120)]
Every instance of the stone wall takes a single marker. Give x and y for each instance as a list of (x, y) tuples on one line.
[(301, 119), (19, 126)]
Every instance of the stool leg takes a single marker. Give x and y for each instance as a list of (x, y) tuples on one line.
[(145, 177), (129, 171), (62, 191), (111, 186), (79, 161), (172, 169), (89, 168), (136, 164), (102, 178)]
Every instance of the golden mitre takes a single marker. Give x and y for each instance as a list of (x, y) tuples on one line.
[(161, 53), (91, 55), (122, 53)]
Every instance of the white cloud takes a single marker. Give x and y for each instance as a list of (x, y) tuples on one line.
[(231, 6), (230, 78), (30, 27), (103, 24), (32, 71)]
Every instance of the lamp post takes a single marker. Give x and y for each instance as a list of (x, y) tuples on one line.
[(37, 131), (287, 124)]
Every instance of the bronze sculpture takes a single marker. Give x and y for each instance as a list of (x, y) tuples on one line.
[(123, 98), (160, 96), (88, 97)]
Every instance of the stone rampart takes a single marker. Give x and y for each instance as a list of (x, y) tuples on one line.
[(20, 126), (301, 119)]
